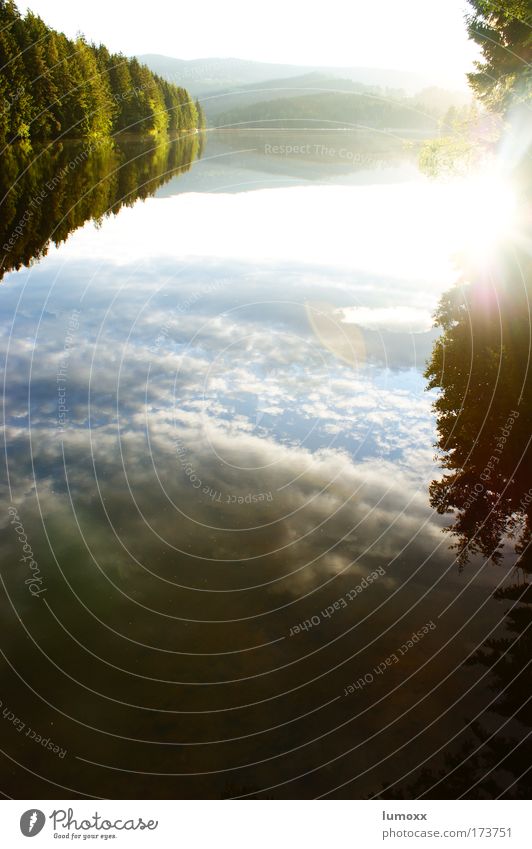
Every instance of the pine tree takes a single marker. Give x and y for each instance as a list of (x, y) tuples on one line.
[(504, 33), (52, 87)]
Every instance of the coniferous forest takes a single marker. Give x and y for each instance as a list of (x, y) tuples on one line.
[(52, 87)]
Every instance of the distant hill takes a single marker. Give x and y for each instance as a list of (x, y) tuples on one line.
[(231, 91), (335, 110), (229, 99), (202, 76)]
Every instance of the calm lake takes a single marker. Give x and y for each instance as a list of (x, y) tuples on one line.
[(217, 535)]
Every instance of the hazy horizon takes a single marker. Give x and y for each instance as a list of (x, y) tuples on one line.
[(414, 38)]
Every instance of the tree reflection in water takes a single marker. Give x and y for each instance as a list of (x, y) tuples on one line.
[(47, 194), (481, 366)]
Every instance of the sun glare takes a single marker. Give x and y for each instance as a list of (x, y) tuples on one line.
[(485, 209)]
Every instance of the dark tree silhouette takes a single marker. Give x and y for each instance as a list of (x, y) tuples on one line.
[(483, 368), (45, 198)]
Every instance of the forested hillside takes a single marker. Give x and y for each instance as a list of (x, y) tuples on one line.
[(333, 110), (51, 86)]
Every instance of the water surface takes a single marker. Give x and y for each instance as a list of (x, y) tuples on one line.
[(217, 428)]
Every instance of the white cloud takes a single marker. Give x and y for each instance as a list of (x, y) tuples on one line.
[(395, 318)]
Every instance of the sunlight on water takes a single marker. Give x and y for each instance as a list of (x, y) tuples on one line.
[(217, 425)]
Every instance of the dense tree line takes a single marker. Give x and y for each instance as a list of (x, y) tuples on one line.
[(51, 86)]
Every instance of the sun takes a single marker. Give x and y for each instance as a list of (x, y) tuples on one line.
[(485, 210)]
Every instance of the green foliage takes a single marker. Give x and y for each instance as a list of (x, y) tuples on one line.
[(54, 189), (52, 87), (447, 156), (502, 82), (503, 30), (467, 137), (202, 121)]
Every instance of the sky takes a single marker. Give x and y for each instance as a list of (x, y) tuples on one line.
[(420, 35)]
